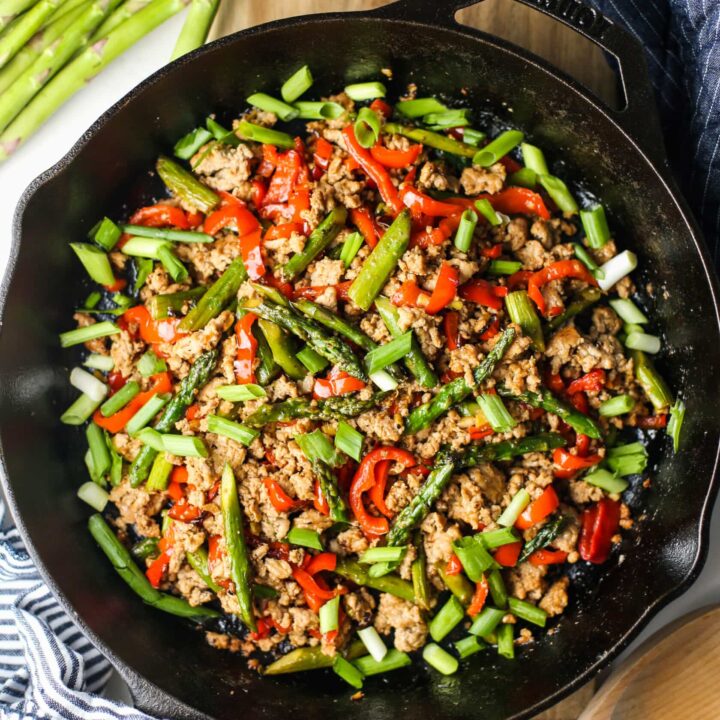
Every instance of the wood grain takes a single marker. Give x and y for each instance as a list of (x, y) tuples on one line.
[(509, 20)]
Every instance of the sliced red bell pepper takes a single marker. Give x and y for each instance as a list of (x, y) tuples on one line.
[(398, 159), (338, 382), (377, 491), (479, 597), (557, 271), (283, 231), (445, 288), (160, 215), (251, 251), (310, 585), (566, 464), (517, 200), (492, 329), (598, 526), (324, 561), (507, 555), (582, 444), (287, 167), (179, 475), (591, 382), (259, 191), (280, 500), (493, 252), (511, 165), (152, 331), (321, 157), (363, 220), (548, 557), (451, 325), (246, 349), (538, 509), (519, 279), (233, 213), (176, 491), (481, 292), (410, 295), (314, 291), (192, 412), (157, 568), (116, 381), (478, 433), (183, 511), (653, 422), (380, 106), (454, 566), (117, 286), (421, 204)]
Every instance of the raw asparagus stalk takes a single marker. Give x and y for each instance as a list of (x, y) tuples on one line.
[(333, 408), (311, 658), (318, 241), (10, 9), (25, 27), (392, 584), (197, 26), (160, 305), (123, 563), (585, 300), (330, 491), (218, 295), (457, 390), (185, 186), (125, 11), (76, 74), (431, 139), (381, 263), (197, 377), (283, 352)]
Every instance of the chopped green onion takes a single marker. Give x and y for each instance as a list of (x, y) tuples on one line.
[(98, 449), (505, 641), (240, 393), (527, 611), (642, 341), (605, 480), (367, 127), (387, 354), (384, 380), (264, 135), (595, 225), (466, 230), (492, 539), (221, 134), (525, 177), (616, 268), (144, 247), (95, 496), (273, 105), (146, 413), (440, 659), (469, 646), (628, 459), (96, 361), (618, 405), (143, 268), (473, 137), (95, 262), (319, 110), (150, 364), (152, 438), (652, 382), (92, 300), (380, 569), (488, 212), (497, 588), (304, 537), (347, 671), (329, 613), (559, 192), (587, 260), (382, 554), (473, 556), (365, 91), (373, 642), (628, 311), (351, 247), (677, 415), (394, 660), (297, 84), (486, 621), (448, 119), (493, 408), (87, 333), (316, 446), (504, 267), (106, 234), (120, 399), (88, 384), (80, 410), (122, 301), (177, 271), (159, 473), (512, 512), (419, 107), (534, 159), (446, 619), (522, 311), (349, 440), (234, 430), (498, 148), (184, 236), (185, 445), (314, 362), (189, 144)]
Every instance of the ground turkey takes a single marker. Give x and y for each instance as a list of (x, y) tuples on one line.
[(405, 619)]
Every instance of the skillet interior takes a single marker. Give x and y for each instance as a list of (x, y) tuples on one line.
[(43, 460)]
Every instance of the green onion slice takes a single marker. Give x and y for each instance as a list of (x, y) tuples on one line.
[(387, 354), (419, 107), (534, 159), (348, 672), (329, 615), (304, 537), (90, 332), (527, 611), (382, 554), (96, 361), (440, 659), (349, 440), (559, 192), (264, 135), (618, 405), (188, 145), (595, 225), (446, 619), (466, 230), (504, 267), (234, 430), (373, 642), (628, 311), (314, 362), (146, 413), (677, 415), (184, 236), (120, 399), (367, 127), (473, 556), (469, 646), (493, 408), (241, 393), (95, 262), (498, 148), (488, 212), (316, 446), (365, 91), (607, 481), (273, 105), (297, 84), (106, 234), (319, 110), (393, 660), (512, 512), (184, 445)]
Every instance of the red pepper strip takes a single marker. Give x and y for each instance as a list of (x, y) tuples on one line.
[(184, 511), (511, 165), (591, 382), (192, 412), (599, 525), (538, 509), (507, 555), (280, 500), (299, 202), (519, 279), (314, 594), (259, 191), (314, 291), (492, 329), (175, 491), (445, 289), (419, 203), (363, 221), (251, 250), (246, 349), (492, 252), (410, 295), (548, 557), (454, 566), (322, 561), (117, 286), (557, 271), (338, 382), (479, 597), (287, 167), (152, 331), (478, 433), (396, 158), (285, 288), (269, 161), (284, 231), (377, 491), (179, 475), (319, 501), (373, 169), (160, 215), (582, 444), (510, 201), (580, 402), (157, 568), (380, 106), (115, 423), (481, 292), (364, 480), (451, 323), (233, 213), (555, 383), (566, 464), (263, 630), (321, 158), (116, 381), (654, 422)]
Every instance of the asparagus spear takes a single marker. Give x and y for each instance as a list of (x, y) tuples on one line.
[(76, 74), (392, 584), (544, 537), (381, 263), (548, 402), (651, 381), (330, 347), (123, 563), (457, 390), (267, 369), (330, 491), (585, 300), (174, 411), (184, 185), (418, 570), (283, 353), (160, 305), (197, 26), (507, 449), (311, 658), (25, 27), (318, 241), (458, 585), (431, 139), (124, 12), (333, 408), (198, 560), (218, 295)]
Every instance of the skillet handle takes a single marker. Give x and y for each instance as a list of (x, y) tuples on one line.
[(635, 118)]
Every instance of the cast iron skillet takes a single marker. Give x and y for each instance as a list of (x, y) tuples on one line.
[(620, 156)]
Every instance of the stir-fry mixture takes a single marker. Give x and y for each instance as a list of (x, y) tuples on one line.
[(361, 386)]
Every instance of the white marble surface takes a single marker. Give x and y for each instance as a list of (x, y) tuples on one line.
[(61, 132)]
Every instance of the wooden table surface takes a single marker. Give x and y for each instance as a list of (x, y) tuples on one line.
[(508, 19)]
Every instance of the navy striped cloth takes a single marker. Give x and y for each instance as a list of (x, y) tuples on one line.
[(49, 670)]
